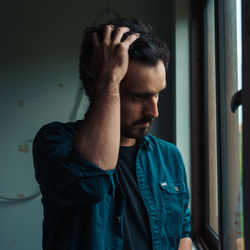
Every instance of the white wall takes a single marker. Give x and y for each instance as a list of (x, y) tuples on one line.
[(182, 70)]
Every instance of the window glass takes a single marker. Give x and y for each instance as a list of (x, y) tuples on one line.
[(232, 46)]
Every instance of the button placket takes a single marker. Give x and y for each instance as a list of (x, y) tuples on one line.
[(118, 219)]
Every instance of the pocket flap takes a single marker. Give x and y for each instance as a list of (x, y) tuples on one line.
[(173, 187)]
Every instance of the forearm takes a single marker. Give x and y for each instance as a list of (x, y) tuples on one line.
[(98, 137), (185, 244)]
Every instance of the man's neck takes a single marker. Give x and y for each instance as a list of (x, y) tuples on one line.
[(127, 142)]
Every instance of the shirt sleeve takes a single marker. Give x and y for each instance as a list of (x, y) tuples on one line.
[(62, 173), (187, 224), (186, 231)]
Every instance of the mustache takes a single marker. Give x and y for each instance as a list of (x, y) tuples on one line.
[(142, 121)]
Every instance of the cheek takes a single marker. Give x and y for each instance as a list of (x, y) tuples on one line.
[(131, 110), (129, 115)]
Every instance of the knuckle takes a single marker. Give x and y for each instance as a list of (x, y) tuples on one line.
[(122, 46), (119, 28), (122, 29), (109, 27), (105, 43), (133, 37)]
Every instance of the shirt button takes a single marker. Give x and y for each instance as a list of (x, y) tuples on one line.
[(176, 189), (119, 219)]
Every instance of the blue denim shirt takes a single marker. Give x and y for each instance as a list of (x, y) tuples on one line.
[(83, 208)]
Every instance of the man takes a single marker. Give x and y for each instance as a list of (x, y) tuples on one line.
[(106, 184)]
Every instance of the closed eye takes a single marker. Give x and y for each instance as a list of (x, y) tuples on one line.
[(137, 97), (142, 97)]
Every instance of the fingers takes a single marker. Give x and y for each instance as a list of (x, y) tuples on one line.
[(131, 38), (107, 34), (119, 32), (95, 40)]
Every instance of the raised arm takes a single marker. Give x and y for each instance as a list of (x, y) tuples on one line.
[(98, 137)]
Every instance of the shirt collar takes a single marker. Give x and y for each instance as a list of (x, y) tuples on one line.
[(146, 143)]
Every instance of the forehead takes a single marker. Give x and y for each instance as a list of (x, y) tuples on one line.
[(143, 78)]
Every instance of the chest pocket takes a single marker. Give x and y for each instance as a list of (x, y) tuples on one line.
[(174, 195)]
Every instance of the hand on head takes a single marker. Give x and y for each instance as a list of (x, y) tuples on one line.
[(110, 57)]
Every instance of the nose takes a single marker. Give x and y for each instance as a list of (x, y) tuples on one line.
[(151, 107)]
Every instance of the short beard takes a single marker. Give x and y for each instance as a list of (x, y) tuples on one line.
[(129, 131)]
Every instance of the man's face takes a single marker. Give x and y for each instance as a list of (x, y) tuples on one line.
[(139, 93)]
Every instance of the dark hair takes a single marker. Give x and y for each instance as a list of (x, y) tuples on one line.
[(146, 49)]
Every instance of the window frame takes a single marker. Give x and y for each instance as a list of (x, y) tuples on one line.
[(202, 232), (246, 116)]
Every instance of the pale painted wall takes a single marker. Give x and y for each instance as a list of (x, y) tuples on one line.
[(182, 71)]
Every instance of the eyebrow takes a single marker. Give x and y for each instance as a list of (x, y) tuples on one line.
[(146, 93)]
